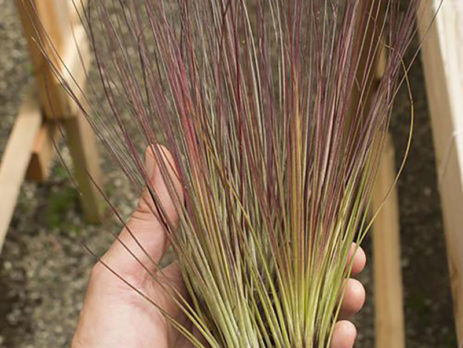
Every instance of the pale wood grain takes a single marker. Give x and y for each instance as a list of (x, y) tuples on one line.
[(442, 57), (16, 158), (81, 142), (43, 152), (76, 8), (389, 315), (47, 28), (61, 61), (59, 51)]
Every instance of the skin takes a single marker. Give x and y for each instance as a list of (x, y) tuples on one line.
[(114, 315)]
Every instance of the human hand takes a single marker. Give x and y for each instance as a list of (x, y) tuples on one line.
[(114, 315)]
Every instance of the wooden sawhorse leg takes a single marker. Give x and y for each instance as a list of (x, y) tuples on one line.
[(442, 56), (389, 315), (52, 24), (16, 157), (81, 143)]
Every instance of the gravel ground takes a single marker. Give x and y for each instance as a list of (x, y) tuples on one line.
[(44, 268)]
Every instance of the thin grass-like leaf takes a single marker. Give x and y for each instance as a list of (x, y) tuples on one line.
[(276, 125)]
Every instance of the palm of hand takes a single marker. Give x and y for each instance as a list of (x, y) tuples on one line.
[(114, 315)]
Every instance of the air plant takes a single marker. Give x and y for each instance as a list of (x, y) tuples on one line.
[(276, 126)]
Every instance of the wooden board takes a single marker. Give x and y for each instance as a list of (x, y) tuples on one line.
[(81, 142), (47, 28), (54, 41), (76, 59), (43, 152), (76, 8), (16, 158), (442, 57), (389, 315)]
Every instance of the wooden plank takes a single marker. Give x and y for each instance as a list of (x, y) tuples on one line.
[(389, 316), (76, 59), (76, 7), (81, 142), (47, 28), (43, 152), (79, 135), (442, 56), (50, 34), (16, 158), (49, 22)]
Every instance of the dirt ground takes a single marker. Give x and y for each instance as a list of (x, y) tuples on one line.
[(44, 268)]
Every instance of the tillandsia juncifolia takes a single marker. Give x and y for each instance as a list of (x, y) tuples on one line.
[(275, 124)]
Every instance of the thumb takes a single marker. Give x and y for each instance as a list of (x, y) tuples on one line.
[(162, 180), (145, 234)]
